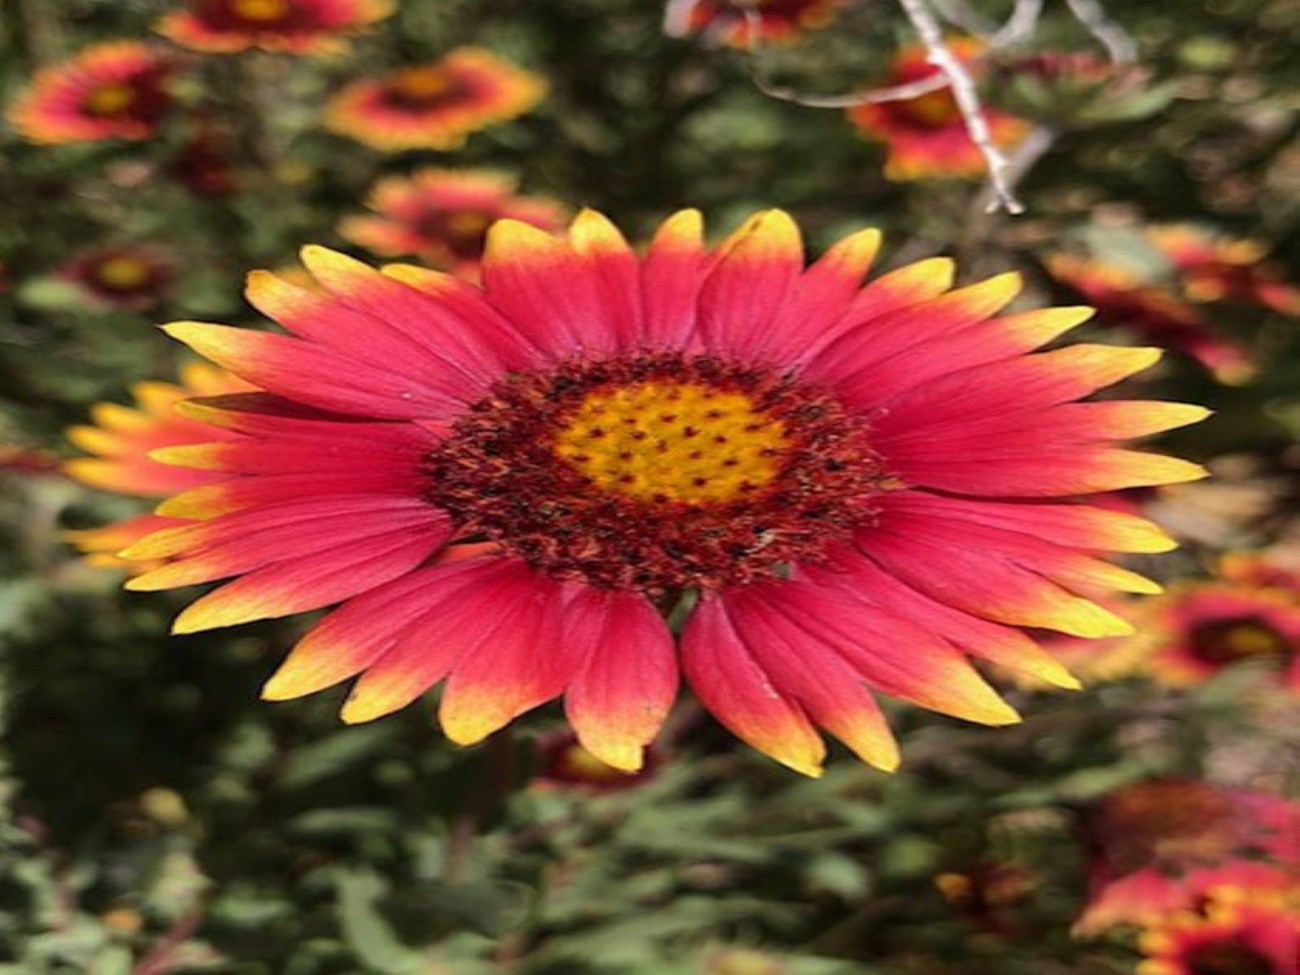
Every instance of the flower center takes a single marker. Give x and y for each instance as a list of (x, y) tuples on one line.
[(262, 11), (658, 472), (463, 232), (421, 88), (671, 441), (113, 99), (122, 273), (1227, 641), (1232, 957), (933, 110)]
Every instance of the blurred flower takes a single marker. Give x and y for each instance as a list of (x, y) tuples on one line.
[(291, 26), (1213, 268), (435, 106), (121, 276), (204, 163), (1271, 568), (442, 216), (1159, 844), (1123, 299), (115, 90), (852, 506), (1199, 629), (733, 21), (926, 135), (121, 441), (567, 765), (1238, 931)]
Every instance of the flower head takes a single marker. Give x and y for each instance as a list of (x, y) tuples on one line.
[(120, 276), (1198, 630), (116, 90), (742, 22), (841, 487), (1158, 845), (292, 26), (442, 216), (1124, 299), (120, 442), (1215, 268), (435, 106), (1238, 931), (926, 135)]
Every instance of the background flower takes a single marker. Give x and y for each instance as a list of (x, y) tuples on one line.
[(442, 215), (291, 26), (434, 106), (115, 90)]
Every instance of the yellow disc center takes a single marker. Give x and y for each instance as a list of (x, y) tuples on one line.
[(665, 441), (421, 83), (123, 272), (468, 223), (111, 99), (263, 10), (934, 109)]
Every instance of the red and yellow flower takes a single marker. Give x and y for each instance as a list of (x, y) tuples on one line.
[(1238, 931), (442, 216), (291, 26), (1198, 630), (742, 22), (121, 276), (1215, 268), (926, 135), (1122, 298), (116, 90), (121, 440), (434, 106), (843, 488), (1160, 844)]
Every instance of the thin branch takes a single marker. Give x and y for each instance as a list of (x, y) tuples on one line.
[(1020, 26), (1028, 152), (963, 91), (1118, 42), (871, 96)]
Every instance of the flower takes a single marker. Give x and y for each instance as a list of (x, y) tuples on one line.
[(121, 441), (120, 276), (291, 26), (1159, 844), (1214, 268), (442, 215), (435, 106), (1200, 629), (1277, 567), (926, 135), (1236, 932), (116, 90), (733, 21), (840, 486), (567, 765), (1156, 314)]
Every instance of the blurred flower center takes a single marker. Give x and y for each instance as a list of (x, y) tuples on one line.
[(1228, 958), (260, 10), (421, 88), (122, 273), (463, 231), (114, 99), (673, 441), (1238, 638), (933, 110), (658, 472)]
